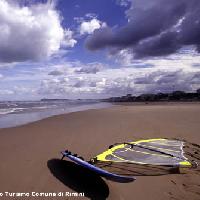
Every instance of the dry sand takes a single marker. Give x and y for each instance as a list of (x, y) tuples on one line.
[(30, 154)]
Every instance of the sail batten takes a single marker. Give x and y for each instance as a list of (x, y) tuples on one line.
[(153, 152)]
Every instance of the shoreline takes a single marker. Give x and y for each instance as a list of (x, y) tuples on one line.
[(17, 119), (110, 104), (31, 153), (157, 103)]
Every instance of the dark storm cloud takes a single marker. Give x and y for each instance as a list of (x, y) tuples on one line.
[(155, 28), (163, 44)]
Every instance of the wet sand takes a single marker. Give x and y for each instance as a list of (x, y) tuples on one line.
[(30, 154)]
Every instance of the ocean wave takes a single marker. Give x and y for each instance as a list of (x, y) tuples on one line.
[(4, 111), (17, 107)]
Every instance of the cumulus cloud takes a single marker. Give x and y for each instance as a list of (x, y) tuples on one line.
[(69, 41), (152, 82), (154, 75), (97, 80), (117, 82), (165, 81), (124, 57), (154, 28), (91, 15), (123, 3), (56, 73), (31, 32), (196, 64), (88, 27), (91, 68), (6, 92)]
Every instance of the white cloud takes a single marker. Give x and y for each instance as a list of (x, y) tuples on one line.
[(166, 81), (98, 80), (88, 27), (6, 92), (91, 15), (56, 73), (123, 3), (185, 59), (31, 33), (120, 81), (68, 38), (123, 57), (107, 82), (91, 68)]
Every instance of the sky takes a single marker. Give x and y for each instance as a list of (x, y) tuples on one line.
[(98, 48)]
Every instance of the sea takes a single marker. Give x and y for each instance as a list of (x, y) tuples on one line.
[(15, 113)]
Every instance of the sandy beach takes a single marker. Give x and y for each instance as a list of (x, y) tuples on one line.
[(30, 154)]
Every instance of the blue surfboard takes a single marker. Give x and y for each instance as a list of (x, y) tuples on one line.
[(101, 172)]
